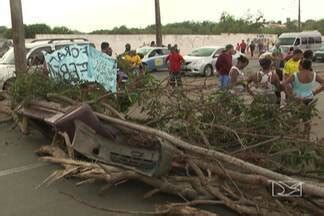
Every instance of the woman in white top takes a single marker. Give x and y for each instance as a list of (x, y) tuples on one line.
[(236, 75), (265, 82)]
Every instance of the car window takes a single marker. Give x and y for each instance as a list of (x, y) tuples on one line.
[(311, 41), (297, 42), (165, 52), (156, 52), (287, 41), (37, 56), (318, 40), (304, 40), (144, 50)]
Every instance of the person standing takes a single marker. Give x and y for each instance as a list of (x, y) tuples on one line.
[(289, 54), (128, 48), (224, 64), (105, 48), (175, 61), (252, 48), (292, 65), (135, 62), (243, 46), (304, 87), (309, 54), (153, 44), (265, 82), (237, 76), (238, 48)]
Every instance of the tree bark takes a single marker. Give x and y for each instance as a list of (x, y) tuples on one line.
[(308, 188), (18, 36), (158, 23)]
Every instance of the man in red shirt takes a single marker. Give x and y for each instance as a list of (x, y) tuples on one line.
[(243, 46), (175, 61), (224, 64)]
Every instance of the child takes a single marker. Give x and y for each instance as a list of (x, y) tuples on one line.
[(237, 76), (175, 61)]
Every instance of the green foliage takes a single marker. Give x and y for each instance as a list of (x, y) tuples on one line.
[(227, 24), (35, 85), (32, 30), (61, 30), (227, 121)]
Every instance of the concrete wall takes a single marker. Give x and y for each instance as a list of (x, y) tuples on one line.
[(185, 42)]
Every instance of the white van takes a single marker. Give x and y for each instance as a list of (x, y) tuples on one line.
[(307, 40)]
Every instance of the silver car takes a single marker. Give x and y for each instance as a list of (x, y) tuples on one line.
[(202, 61)]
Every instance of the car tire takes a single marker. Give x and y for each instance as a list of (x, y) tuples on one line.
[(208, 71), (314, 59)]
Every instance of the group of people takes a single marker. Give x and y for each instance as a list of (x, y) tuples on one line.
[(297, 78), (174, 59), (253, 46)]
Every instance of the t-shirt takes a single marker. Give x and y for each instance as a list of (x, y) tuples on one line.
[(291, 67), (175, 60), (224, 64), (134, 60), (243, 45)]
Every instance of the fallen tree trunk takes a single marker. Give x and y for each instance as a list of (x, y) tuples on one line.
[(308, 188)]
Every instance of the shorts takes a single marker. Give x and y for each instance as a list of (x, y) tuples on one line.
[(224, 81)]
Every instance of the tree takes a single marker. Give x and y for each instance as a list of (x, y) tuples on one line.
[(32, 30), (61, 30)]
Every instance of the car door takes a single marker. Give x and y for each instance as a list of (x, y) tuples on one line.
[(157, 59)]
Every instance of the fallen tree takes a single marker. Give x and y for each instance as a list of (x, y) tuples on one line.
[(226, 151)]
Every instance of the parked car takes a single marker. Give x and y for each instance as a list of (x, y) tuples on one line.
[(319, 55), (154, 58), (34, 55), (202, 61)]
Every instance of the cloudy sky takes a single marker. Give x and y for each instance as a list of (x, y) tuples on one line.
[(88, 15)]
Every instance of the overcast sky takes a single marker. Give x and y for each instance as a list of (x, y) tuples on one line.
[(88, 15)]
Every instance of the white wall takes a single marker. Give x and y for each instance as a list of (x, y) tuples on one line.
[(185, 42)]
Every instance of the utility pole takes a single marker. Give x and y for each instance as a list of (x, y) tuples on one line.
[(18, 36), (299, 20), (158, 23)]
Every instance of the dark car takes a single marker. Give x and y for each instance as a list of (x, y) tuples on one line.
[(319, 55)]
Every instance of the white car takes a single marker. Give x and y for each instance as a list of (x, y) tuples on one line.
[(202, 61), (34, 55)]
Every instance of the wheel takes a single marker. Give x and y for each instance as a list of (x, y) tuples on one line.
[(208, 71), (314, 59)]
